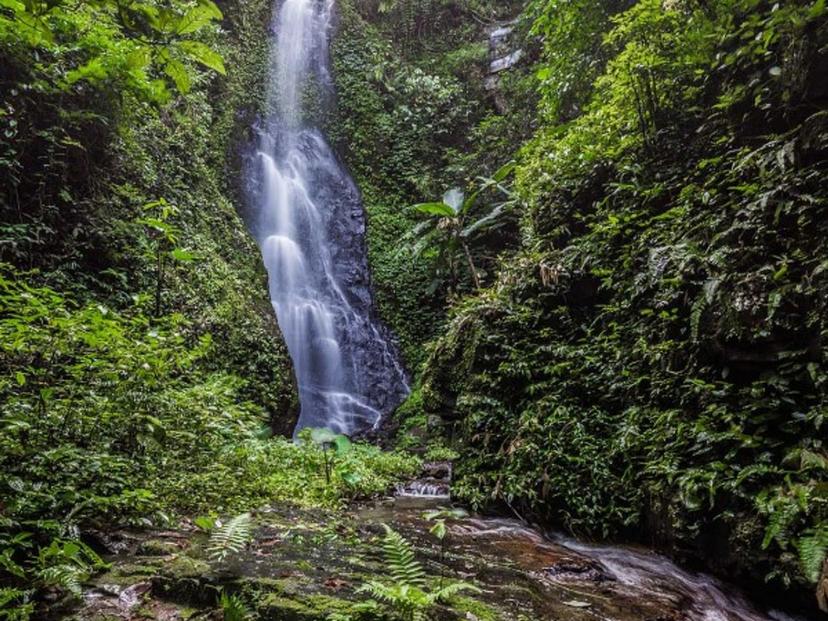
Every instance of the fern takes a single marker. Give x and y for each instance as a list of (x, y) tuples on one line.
[(813, 551), (450, 590), (407, 596), (230, 538), (233, 608), (66, 577), (400, 561), (15, 604)]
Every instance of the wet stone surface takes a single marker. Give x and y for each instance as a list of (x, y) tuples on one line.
[(304, 565)]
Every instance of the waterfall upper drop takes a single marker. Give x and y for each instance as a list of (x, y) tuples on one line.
[(308, 218)]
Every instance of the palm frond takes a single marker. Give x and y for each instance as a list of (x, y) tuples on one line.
[(230, 538)]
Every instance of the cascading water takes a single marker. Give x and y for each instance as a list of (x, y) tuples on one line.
[(308, 218)]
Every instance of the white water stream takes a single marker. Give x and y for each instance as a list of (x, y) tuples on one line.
[(309, 221)]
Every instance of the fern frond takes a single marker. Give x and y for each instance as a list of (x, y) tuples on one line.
[(384, 593), (233, 608), (9, 595), (230, 538), (813, 550), (400, 561), (66, 577), (450, 590), (88, 555)]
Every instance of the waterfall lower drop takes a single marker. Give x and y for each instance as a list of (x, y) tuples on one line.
[(308, 218)]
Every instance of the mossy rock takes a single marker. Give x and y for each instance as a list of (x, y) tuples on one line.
[(159, 547), (187, 580), (309, 608), (289, 587), (128, 573)]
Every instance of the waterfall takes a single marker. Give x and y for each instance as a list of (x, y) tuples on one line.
[(307, 216)]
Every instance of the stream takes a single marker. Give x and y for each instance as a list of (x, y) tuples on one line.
[(304, 565), (568, 578)]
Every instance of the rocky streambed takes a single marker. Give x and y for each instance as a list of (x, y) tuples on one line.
[(305, 565)]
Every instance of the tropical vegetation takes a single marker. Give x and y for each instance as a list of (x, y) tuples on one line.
[(614, 317)]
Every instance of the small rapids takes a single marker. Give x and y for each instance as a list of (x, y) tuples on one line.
[(431, 489)]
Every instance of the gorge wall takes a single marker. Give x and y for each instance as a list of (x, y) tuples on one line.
[(647, 357), (95, 163)]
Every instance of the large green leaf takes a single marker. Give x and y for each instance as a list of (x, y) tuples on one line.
[(436, 209), (198, 17), (504, 171), (179, 74), (203, 54), (322, 436), (454, 198)]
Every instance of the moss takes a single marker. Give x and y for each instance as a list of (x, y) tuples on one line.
[(158, 547), (184, 567), (288, 587), (403, 148), (308, 608), (127, 574), (480, 610), (186, 580)]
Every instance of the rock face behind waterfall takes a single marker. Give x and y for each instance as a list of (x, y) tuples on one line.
[(307, 215), (374, 354)]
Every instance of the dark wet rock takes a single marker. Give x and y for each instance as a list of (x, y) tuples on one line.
[(571, 568), (111, 542), (440, 470), (430, 490), (186, 580), (372, 369)]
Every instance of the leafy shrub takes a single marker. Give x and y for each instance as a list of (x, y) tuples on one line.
[(111, 417)]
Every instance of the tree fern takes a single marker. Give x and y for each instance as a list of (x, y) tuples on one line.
[(230, 538), (400, 561)]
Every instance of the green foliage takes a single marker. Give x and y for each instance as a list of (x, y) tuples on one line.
[(333, 445), (408, 596), (813, 551), (62, 566), (409, 102), (400, 561), (233, 608), (457, 226), (230, 538), (15, 604), (113, 417), (165, 236), (652, 361), (141, 45)]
